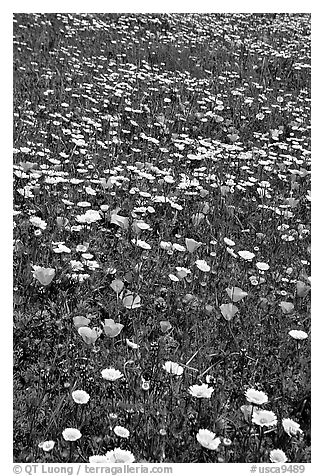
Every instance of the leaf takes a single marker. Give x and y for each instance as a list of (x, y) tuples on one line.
[(236, 294), (131, 301), (228, 311), (117, 285), (112, 328)]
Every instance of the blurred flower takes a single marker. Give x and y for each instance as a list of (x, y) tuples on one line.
[(80, 321), (43, 275), (140, 225), (79, 277), (177, 247), (228, 311), (80, 396), (111, 374), (187, 298), (90, 191), (227, 441), (247, 412), (141, 243), (208, 439), (182, 272), (302, 289), (286, 307), (173, 368), (38, 223), (229, 242), (61, 248), (145, 385), (71, 434), (277, 456), (112, 328), (132, 301), (236, 294), (298, 335), (120, 456), (122, 222), (166, 245), (89, 335), (247, 255), (210, 378), (231, 252), (87, 256), (92, 265), (165, 326), (76, 265), (47, 445), (256, 397), (61, 222), (192, 245), (255, 281), (90, 216), (121, 432), (264, 418), (117, 285), (76, 228), (291, 427), (262, 266), (202, 265), (131, 344), (225, 189), (98, 459), (82, 248), (201, 391)]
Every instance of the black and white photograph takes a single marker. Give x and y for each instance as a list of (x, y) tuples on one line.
[(161, 241)]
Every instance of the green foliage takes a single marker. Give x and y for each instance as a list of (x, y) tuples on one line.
[(188, 135)]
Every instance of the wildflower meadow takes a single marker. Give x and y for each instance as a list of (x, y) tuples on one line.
[(161, 266)]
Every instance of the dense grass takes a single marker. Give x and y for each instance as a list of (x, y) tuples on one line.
[(198, 126)]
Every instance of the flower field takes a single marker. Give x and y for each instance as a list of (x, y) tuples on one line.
[(161, 238)]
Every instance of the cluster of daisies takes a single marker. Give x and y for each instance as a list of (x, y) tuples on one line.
[(267, 419), (117, 455), (253, 414)]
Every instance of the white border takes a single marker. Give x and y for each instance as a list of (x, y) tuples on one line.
[(317, 185), (169, 6)]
